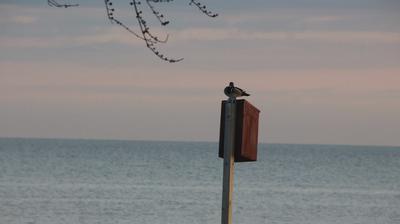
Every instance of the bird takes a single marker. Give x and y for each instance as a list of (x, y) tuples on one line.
[(233, 91)]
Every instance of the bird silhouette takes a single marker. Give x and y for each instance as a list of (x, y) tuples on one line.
[(233, 91)]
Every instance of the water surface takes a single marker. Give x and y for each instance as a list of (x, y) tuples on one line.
[(110, 182)]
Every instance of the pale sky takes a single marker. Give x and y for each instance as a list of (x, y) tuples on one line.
[(321, 72)]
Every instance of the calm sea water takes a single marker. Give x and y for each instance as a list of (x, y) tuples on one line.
[(111, 182)]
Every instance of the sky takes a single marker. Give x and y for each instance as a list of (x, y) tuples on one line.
[(321, 72)]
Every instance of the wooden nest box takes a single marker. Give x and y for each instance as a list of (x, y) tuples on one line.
[(246, 131)]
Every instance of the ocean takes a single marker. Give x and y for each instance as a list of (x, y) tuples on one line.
[(50, 181)]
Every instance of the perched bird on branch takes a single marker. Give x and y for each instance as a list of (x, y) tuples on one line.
[(233, 91)]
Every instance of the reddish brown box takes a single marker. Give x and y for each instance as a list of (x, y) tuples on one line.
[(246, 131)]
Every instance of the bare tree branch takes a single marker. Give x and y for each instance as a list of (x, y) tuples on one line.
[(203, 8), (150, 39), (56, 4)]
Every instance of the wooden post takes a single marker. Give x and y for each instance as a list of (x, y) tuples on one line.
[(227, 185)]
